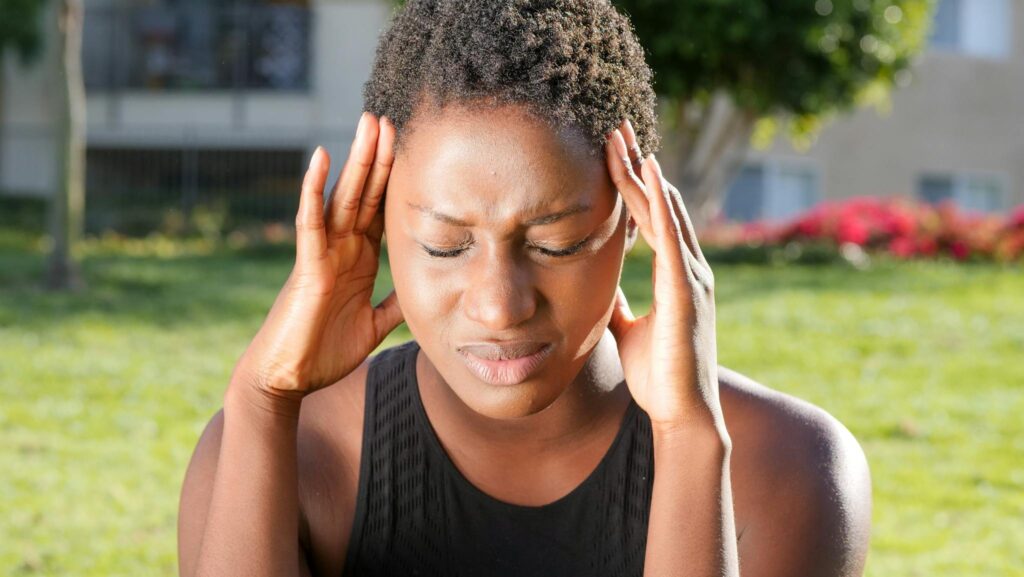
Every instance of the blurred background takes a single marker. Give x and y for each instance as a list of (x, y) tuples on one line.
[(855, 167)]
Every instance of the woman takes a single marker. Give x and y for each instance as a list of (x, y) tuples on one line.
[(534, 426)]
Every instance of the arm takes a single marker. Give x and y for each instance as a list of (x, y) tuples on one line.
[(691, 523), (243, 496), (239, 502), (669, 360)]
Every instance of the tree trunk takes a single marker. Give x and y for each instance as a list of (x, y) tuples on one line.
[(704, 146), (67, 209), (3, 120)]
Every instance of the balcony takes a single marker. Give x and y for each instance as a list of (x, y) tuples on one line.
[(184, 45)]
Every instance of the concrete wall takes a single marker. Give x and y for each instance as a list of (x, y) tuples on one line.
[(960, 114), (344, 39)]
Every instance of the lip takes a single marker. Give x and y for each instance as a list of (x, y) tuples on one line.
[(508, 371)]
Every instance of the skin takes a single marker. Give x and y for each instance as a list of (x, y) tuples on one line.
[(794, 482)]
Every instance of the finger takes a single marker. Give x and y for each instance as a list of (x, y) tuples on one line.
[(343, 206), (629, 186), (663, 221), (683, 216), (377, 182), (310, 238), (622, 317), (635, 154), (387, 315)]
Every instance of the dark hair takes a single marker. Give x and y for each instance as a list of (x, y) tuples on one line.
[(568, 62)]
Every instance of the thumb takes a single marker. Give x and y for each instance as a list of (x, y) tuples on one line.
[(622, 317), (387, 315)]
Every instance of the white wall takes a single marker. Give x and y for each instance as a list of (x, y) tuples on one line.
[(344, 39)]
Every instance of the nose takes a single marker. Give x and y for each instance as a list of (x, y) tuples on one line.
[(499, 292)]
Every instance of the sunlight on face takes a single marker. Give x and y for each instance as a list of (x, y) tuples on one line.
[(500, 228)]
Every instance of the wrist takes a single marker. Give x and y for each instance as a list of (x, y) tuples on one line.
[(251, 397), (706, 437)]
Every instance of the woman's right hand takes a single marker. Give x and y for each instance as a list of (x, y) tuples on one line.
[(322, 324)]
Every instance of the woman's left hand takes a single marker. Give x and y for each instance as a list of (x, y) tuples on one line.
[(669, 355)]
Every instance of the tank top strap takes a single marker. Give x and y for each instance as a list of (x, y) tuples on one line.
[(399, 512)]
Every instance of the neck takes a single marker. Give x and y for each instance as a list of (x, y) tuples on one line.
[(596, 393)]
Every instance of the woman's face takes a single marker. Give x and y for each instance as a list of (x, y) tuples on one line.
[(527, 233)]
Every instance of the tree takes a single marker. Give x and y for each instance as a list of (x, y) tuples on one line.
[(20, 28), (23, 28), (724, 68), (67, 209), (20, 32)]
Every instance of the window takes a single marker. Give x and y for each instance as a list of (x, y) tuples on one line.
[(974, 27), (945, 26), (971, 192), (771, 191), (189, 44)]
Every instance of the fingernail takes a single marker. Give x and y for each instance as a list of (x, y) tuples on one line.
[(629, 125), (312, 159)]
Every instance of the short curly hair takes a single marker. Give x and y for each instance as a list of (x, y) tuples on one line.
[(570, 63)]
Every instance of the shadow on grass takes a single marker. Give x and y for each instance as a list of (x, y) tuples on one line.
[(193, 289)]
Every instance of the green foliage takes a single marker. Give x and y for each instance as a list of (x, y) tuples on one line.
[(104, 395), (803, 58), (21, 27)]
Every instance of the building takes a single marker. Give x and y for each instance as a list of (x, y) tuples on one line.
[(956, 132), (191, 100)]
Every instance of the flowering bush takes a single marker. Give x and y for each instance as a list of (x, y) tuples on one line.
[(898, 226)]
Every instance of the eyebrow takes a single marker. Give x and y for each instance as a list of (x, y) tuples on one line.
[(540, 220)]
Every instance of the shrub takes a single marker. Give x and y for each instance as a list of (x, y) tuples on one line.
[(898, 226)]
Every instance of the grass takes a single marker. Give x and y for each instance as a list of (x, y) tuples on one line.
[(103, 395)]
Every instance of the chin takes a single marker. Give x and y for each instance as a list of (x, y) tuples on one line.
[(507, 401)]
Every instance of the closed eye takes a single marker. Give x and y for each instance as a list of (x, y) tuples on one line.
[(444, 253), (555, 253), (564, 251)]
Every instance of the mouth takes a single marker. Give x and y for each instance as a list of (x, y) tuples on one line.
[(505, 364)]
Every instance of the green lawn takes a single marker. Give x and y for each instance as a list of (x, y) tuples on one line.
[(103, 395)]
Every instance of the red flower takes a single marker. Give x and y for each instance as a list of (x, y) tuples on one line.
[(959, 250), (902, 247), (852, 230)]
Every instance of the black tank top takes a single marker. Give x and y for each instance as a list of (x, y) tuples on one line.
[(416, 514)]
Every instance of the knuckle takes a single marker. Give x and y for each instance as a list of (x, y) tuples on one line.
[(350, 203), (303, 223), (361, 163)]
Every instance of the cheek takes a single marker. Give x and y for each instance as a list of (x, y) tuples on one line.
[(581, 298), (426, 296)]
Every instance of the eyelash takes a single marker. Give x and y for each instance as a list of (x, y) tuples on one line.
[(546, 252)]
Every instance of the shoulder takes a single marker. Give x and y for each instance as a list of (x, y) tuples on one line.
[(330, 439), (329, 443), (801, 484)]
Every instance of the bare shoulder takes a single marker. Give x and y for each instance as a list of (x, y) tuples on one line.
[(329, 444), (329, 450), (801, 484)]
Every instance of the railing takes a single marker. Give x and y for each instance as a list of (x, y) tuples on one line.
[(174, 46), (139, 189)]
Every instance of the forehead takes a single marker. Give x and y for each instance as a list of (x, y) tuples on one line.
[(494, 163)]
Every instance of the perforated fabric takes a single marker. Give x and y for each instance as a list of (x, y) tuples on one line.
[(416, 514)]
